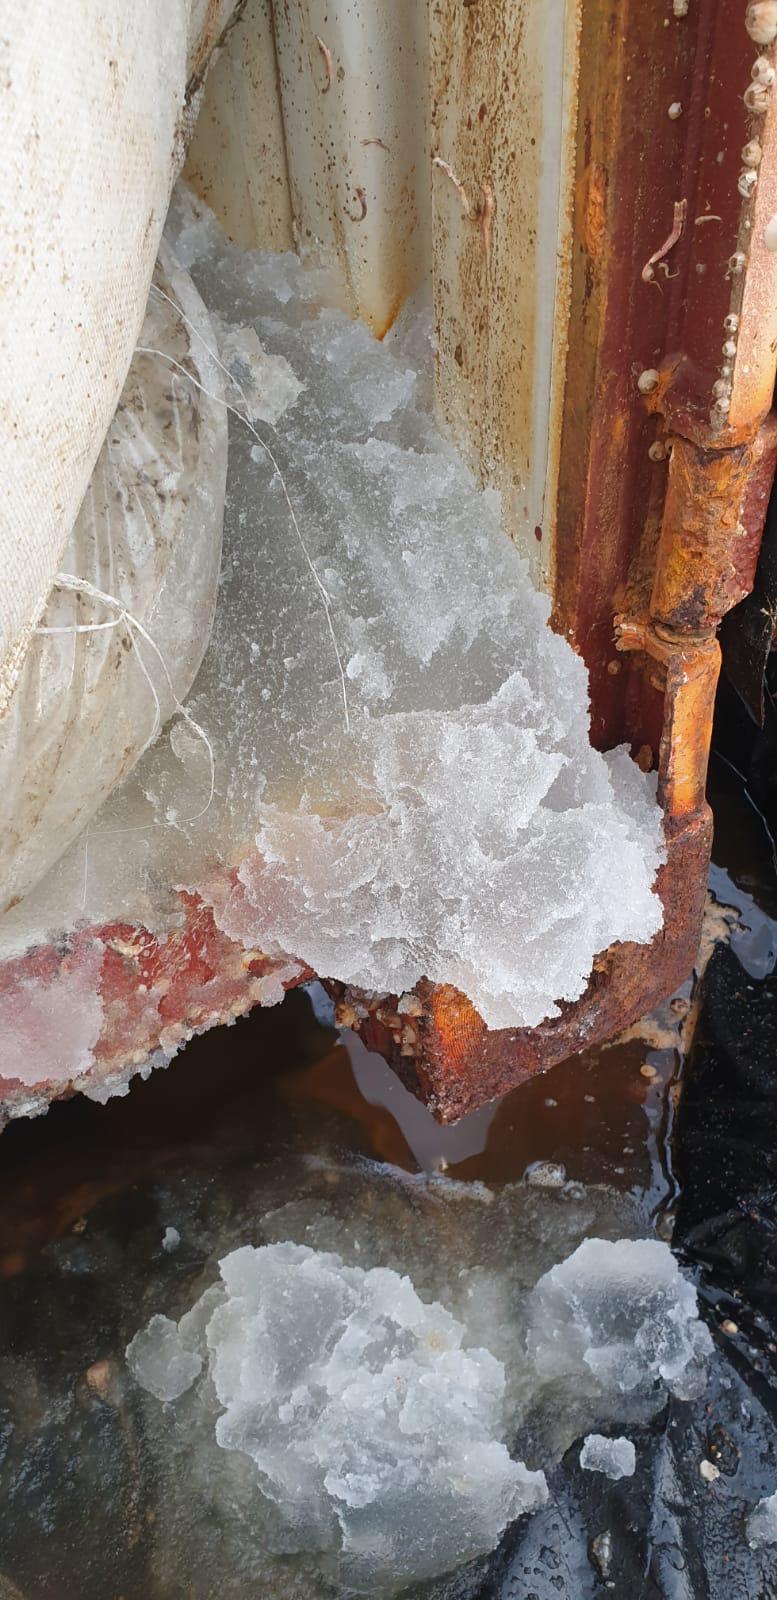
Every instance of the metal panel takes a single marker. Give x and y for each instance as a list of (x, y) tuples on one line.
[(237, 156), (424, 146), (503, 85)]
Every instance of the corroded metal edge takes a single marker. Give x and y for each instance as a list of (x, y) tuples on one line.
[(448, 1058), (667, 456)]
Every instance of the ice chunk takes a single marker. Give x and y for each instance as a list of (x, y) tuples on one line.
[(50, 1023), (171, 1239), (621, 1314), (761, 1525), (616, 1458), (374, 1432), (159, 1360), (264, 385), (403, 775)]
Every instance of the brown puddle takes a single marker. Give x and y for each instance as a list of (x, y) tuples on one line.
[(242, 1090)]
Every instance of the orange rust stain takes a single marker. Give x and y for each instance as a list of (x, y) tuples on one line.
[(705, 560), (595, 215), (387, 323), (455, 1021), (692, 677)]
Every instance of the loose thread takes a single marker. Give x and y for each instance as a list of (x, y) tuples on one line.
[(233, 411), (133, 625)]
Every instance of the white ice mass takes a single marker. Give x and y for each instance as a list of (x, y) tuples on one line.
[(403, 777), (618, 1315), (761, 1524), (159, 1360), (386, 1427), (616, 1458), (373, 1431)]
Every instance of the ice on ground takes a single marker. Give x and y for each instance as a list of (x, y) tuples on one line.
[(374, 1432), (405, 1276), (621, 1316), (616, 1458), (160, 1361), (402, 768), (761, 1526)]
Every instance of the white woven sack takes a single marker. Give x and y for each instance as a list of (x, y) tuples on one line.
[(92, 116), (95, 686)]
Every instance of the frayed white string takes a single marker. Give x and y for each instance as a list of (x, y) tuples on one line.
[(76, 585), (84, 627), (326, 598)]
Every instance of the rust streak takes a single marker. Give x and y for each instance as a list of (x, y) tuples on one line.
[(326, 55), (485, 217)]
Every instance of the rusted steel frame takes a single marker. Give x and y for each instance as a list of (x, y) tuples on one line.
[(442, 1049), (660, 524), (685, 670), (711, 529), (634, 164), (447, 1057)]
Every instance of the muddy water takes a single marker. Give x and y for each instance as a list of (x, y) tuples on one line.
[(86, 1193)]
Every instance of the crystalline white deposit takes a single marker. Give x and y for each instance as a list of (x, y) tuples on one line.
[(171, 1239), (160, 1361), (374, 1433), (616, 1458), (761, 1525), (341, 1331), (265, 384), (621, 1315), (51, 1023), (402, 763)]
